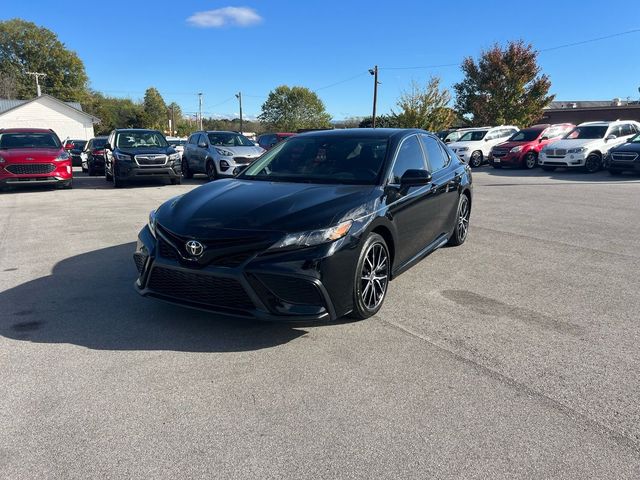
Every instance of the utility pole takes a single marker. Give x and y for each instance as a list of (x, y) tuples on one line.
[(37, 75), (374, 72), (239, 97), (173, 120), (200, 108)]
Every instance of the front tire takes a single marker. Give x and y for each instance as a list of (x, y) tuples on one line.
[(186, 171), (593, 163), (463, 215), (476, 159), (371, 277), (530, 161), (211, 171)]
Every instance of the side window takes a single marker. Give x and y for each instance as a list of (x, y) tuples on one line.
[(436, 158), (614, 131), (192, 139), (625, 129), (409, 157), (202, 138)]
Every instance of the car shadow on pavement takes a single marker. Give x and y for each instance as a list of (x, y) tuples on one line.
[(89, 300)]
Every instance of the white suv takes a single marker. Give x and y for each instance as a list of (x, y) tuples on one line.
[(585, 146), (475, 145)]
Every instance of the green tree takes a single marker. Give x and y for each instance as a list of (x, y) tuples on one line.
[(289, 109), (114, 112), (26, 47), (504, 87), (424, 107), (382, 121), (155, 110)]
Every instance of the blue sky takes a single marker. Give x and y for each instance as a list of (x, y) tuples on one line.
[(255, 46)]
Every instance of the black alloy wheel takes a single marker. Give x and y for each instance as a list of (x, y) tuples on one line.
[(530, 161), (476, 159), (372, 277), (463, 216), (211, 171), (593, 163), (186, 172)]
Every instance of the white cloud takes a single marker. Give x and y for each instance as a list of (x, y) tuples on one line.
[(237, 16)]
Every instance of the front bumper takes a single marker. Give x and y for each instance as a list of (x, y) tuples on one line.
[(510, 159), (130, 171), (571, 160), (61, 172), (628, 165), (304, 285)]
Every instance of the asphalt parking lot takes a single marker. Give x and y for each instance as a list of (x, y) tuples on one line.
[(513, 356)]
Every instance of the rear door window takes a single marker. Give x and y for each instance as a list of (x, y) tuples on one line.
[(409, 157)]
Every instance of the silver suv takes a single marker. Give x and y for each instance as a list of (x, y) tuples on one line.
[(218, 154)]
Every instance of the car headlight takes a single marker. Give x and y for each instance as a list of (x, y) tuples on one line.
[(174, 157), (122, 156), (314, 237), (62, 157), (516, 149), (152, 222), (577, 150), (1, 160), (463, 149), (224, 153)]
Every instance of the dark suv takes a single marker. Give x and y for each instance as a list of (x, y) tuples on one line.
[(136, 153)]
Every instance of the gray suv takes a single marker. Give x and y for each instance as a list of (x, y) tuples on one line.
[(218, 154)]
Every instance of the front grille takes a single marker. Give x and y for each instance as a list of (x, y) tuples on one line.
[(151, 160), (500, 153), (205, 290), (139, 260), (243, 160), (31, 168), (292, 289), (624, 156), (557, 153), (167, 251)]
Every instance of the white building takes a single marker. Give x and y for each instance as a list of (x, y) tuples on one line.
[(65, 118)]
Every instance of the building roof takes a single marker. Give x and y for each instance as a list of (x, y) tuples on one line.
[(6, 105), (573, 104)]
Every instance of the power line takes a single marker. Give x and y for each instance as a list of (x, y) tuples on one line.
[(597, 39), (342, 81)]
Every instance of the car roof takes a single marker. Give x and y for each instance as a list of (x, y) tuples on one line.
[(120, 130), (25, 130), (362, 132)]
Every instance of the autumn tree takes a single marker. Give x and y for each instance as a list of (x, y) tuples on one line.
[(155, 110), (289, 109), (504, 86), (424, 106), (26, 47)]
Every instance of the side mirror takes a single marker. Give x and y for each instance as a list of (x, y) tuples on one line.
[(611, 137), (107, 146), (542, 139), (415, 178), (447, 140), (202, 145)]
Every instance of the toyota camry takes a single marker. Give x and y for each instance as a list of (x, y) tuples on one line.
[(313, 230)]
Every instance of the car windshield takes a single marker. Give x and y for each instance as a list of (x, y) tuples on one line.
[(473, 136), (229, 140), (587, 132), (140, 140), (322, 159), (28, 140), (635, 139), (99, 142), (79, 144), (525, 136)]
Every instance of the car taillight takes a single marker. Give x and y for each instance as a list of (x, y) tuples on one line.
[(98, 152)]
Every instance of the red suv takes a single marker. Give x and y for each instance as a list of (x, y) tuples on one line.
[(30, 156), (523, 147)]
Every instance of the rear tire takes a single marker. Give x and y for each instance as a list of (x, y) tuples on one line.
[(461, 228), (371, 279)]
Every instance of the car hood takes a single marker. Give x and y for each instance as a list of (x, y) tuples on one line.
[(628, 147), (575, 143), (147, 150), (512, 144), (35, 154), (243, 151), (260, 205), (471, 144)]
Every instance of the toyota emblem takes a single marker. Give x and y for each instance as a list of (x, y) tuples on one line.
[(194, 247)]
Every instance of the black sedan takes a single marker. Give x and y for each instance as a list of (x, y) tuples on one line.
[(313, 230), (625, 157)]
